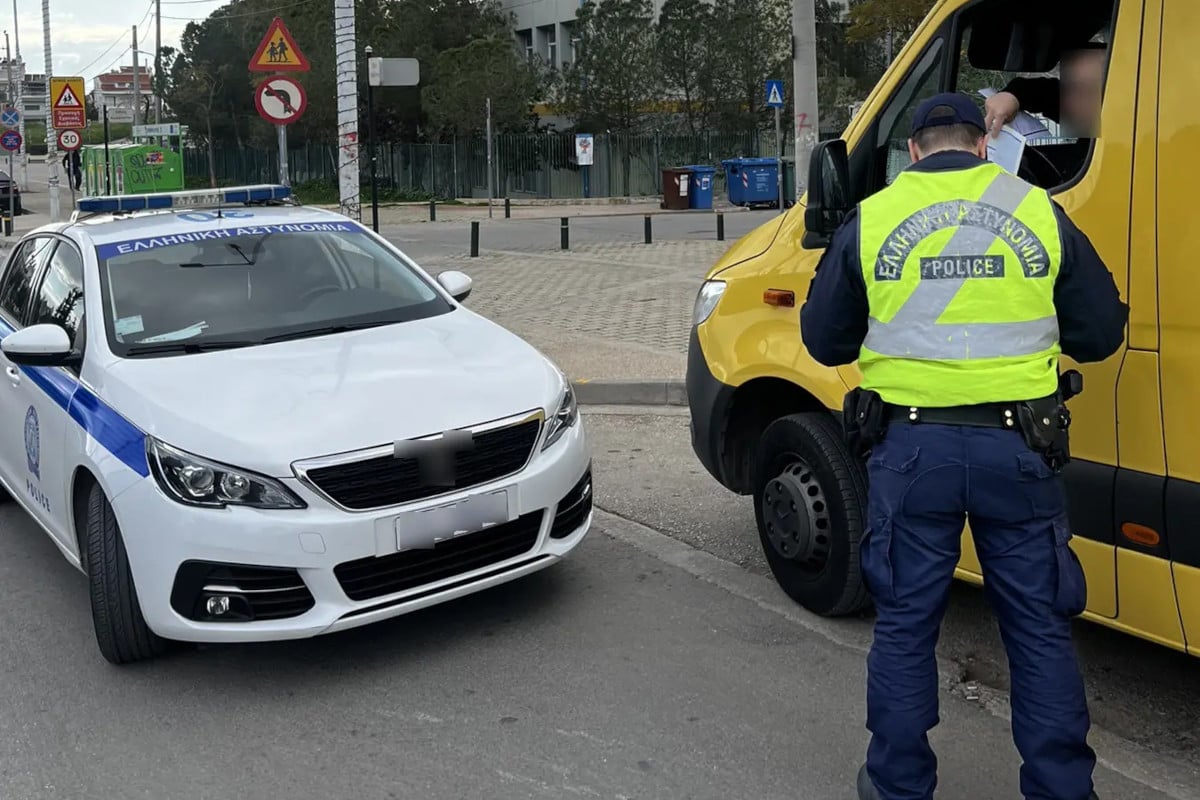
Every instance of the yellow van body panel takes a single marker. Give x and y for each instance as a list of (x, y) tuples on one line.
[(1137, 415)]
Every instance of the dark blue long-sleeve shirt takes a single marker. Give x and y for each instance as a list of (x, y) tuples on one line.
[(1091, 315)]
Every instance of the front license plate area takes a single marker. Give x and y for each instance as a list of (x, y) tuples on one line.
[(425, 529)]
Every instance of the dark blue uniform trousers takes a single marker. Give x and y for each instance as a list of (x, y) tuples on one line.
[(925, 479)]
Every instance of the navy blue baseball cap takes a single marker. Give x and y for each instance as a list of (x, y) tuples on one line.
[(951, 108)]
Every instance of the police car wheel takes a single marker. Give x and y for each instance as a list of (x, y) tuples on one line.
[(810, 497), (121, 631)]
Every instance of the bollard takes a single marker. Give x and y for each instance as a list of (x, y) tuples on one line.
[(8, 225), (507, 208), (475, 239), (720, 227), (433, 211), (648, 229), (565, 233)]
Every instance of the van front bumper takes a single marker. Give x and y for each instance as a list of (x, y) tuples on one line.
[(709, 401)]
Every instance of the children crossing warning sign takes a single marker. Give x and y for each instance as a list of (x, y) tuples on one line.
[(69, 111), (278, 51)]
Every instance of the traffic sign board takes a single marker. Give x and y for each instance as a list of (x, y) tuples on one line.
[(10, 117), (10, 141), (69, 139), (69, 109), (280, 100), (774, 94), (277, 52)]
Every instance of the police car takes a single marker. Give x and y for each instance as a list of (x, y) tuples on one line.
[(246, 420)]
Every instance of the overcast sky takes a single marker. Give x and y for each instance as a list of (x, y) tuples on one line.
[(88, 37)]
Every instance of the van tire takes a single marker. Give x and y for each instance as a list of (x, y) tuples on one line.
[(810, 497), (121, 631)]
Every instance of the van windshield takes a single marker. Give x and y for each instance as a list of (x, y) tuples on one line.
[(197, 291)]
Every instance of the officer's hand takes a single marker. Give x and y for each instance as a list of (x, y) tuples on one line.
[(999, 110)]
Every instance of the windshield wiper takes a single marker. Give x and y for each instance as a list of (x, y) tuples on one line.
[(188, 347), (325, 331)]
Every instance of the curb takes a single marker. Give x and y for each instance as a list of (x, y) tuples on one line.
[(630, 393)]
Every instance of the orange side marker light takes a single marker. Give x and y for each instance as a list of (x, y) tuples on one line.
[(1140, 534), (782, 298)]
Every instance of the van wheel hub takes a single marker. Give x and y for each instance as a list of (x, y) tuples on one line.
[(796, 514)]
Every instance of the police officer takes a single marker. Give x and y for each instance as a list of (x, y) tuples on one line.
[(956, 288)]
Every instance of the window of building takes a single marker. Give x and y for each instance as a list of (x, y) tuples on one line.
[(552, 46)]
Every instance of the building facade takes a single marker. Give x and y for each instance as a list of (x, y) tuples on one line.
[(546, 28), (115, 89), (32, 89)]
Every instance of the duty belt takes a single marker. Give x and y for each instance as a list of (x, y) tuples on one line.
[(984, 415)]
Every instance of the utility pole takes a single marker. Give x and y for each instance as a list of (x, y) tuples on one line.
[(12, 178), (491, 171), (156, 84), (51, 135), (347, 107), (24, 152), (137, 81), (804, 76)]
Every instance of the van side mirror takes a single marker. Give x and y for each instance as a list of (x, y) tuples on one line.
[(828, 193)]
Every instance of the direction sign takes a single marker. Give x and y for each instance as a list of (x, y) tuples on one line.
[(160, 129), (69, 140), (280, 100), (277, 52), (10, 117), (10, 141), (393, 72), (775, 94), (68, 109)]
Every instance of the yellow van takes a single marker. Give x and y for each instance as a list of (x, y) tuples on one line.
[(765, 415)]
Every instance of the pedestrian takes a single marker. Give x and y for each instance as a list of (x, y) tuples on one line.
[(70, 163), (956, 289)]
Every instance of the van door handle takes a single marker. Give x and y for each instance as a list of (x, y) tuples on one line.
[(14, 375)]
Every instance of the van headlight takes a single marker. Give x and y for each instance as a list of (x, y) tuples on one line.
[(196, 481), (562, 419), (706, 301)]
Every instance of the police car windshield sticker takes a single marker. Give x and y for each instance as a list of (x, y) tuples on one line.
[(182, 333), (127, 325), (32, 443), (106, 251)]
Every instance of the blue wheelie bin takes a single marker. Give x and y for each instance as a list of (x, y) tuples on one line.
[(752, 181), (701, 194)]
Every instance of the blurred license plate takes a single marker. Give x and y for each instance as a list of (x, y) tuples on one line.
[(424, 529)]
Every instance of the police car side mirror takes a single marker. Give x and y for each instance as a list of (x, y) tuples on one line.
[(828, 193), (40, 346), (457, 284)]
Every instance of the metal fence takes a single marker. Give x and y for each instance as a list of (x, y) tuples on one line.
[(526, 165)]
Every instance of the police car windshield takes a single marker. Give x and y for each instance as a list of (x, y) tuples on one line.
[(217, 289)]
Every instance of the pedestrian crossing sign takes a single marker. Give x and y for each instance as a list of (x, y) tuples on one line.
[(277, 52), (774, 94), (68, 111)]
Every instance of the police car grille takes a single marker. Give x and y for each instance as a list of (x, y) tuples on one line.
[(388, 481), (368, 578)]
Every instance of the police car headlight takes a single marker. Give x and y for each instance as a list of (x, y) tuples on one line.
[(196, 481), (562, 419), (706, 301)]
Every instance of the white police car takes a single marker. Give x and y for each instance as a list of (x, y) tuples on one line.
[(246, 420)]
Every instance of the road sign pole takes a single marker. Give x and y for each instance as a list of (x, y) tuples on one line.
[(778, 160), (107, 166), (281, 131), (12, 176), (371, 132)]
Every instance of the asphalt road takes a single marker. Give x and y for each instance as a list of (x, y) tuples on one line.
[(642, 667)]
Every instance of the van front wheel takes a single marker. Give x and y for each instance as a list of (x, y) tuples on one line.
[(809, 501)]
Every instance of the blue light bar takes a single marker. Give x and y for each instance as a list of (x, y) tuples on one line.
[(193, 199)]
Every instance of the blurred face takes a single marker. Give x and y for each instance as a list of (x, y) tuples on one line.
[(1082, 84)]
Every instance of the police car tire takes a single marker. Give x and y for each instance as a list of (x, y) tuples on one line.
[(121, 631), (839, 590)]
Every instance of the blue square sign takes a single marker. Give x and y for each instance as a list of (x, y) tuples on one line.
[(775, 94)]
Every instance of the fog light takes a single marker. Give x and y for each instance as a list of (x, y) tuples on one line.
[(218, 605)]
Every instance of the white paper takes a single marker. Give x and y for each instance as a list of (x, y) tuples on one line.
[(1023, 123), (182, 333), (127, 325), (1006, 148)]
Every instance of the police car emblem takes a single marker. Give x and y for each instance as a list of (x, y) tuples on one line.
[(32, 446)]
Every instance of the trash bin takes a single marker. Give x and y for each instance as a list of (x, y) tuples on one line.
[(752, 181), (675, 188), (701, 186)]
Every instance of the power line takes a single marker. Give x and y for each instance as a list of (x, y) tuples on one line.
[(119, 39), (258, 13)]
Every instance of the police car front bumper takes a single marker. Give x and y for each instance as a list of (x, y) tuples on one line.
[(297, 574)]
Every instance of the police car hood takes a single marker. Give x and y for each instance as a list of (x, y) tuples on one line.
[(261, 408)]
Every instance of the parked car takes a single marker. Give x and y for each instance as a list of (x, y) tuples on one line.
[(5, 183)]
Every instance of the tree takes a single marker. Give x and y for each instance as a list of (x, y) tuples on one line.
[(684, 38), (752, 44), (876, 19), (465, 77), (614, 82)]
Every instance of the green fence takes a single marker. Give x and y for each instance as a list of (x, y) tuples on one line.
[(526, 166)]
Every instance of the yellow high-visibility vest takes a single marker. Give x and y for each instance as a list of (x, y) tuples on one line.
[(960, 289)]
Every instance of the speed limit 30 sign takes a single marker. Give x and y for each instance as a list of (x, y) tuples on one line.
[(69, 140)]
